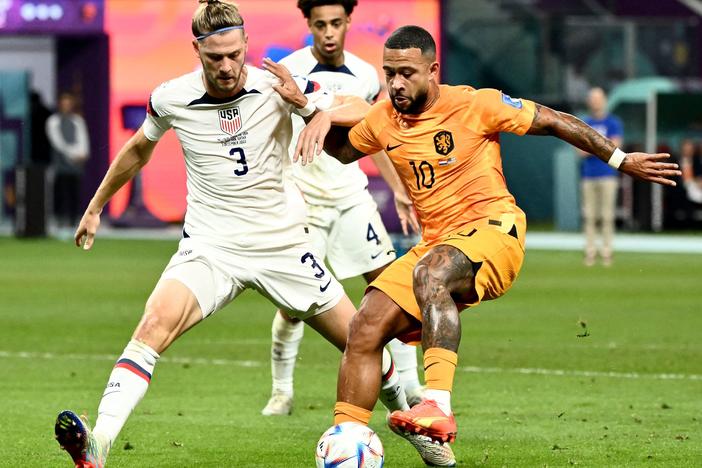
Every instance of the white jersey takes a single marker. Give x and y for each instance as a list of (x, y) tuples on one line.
[(327, 181), (236, 151)]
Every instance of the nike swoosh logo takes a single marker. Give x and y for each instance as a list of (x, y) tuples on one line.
[(324, 288), (389, 148), (389, 252)]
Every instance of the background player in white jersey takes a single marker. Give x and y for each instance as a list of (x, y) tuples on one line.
[(242, 229), (344, 222)]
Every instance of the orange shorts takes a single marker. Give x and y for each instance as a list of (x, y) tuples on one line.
[(498, 244)]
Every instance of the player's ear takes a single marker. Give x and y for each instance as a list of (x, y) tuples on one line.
[(196, 47), (434, 71)]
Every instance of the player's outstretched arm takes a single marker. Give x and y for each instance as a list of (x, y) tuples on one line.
[(642, 166), (319, 134), (347, 111), (130, 159)]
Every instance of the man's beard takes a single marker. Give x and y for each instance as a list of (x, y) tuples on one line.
[(223, 88), (415, 106)]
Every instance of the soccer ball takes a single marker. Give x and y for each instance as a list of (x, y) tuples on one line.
[(349, 445)]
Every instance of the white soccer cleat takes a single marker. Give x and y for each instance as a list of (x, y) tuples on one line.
[(432, 453), (415, 396), (279, 404)]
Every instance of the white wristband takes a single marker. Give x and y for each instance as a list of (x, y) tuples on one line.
[(307, 110), (617, 158)]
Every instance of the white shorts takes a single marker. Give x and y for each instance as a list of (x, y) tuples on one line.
[(354, 239), (294, 278)]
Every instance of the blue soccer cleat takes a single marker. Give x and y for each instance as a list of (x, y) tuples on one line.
[(76, 438)]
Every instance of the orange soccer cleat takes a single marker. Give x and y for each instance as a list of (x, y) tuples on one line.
[(426, 419)]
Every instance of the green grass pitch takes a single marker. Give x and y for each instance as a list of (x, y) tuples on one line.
[(574, 366)]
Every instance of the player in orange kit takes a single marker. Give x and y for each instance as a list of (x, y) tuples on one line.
[(444, 143)]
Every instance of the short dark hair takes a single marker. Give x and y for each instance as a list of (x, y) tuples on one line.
[(412, 37), (306, 5)]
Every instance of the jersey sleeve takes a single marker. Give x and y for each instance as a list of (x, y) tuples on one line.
[(157, 120), (498, 112), (362, 136)]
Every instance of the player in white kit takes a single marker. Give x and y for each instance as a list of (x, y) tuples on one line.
[(244, 227), (344, 221)]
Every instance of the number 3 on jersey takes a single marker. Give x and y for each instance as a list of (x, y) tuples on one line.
[(240, 171)]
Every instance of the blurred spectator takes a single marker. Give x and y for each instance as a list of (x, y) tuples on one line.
[(691, 166), (68, 137), (599, 183), (41, 149)]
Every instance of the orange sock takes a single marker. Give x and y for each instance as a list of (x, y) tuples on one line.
[(346, 412), (439, 368)]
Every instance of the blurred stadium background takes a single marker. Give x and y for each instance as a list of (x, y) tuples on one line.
[(601, 345), (112, 53)]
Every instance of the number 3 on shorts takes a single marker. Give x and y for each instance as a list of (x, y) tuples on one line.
[(315, 266)]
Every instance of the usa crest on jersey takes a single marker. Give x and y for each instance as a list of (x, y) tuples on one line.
[(230, 120)]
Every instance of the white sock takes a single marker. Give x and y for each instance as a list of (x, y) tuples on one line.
[(126, 387), (286, 338), (442, 398), (392, 393), (405, 357)]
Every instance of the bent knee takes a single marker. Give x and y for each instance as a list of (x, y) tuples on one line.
[(446, 270), (156, 320), (428, 282)]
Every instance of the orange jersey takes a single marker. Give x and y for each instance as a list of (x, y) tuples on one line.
[(449, 156)]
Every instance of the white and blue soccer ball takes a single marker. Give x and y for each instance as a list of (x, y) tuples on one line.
[(349, 445)]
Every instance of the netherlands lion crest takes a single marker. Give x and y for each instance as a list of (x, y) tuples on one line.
[(443, 142)]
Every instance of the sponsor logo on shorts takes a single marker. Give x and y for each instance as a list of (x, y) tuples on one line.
[(324, 288), (388, 252)]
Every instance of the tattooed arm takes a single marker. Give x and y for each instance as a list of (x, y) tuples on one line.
[(643, 166)]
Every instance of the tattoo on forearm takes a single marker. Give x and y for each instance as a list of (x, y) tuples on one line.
[(579, 134)]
